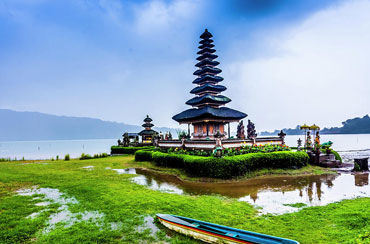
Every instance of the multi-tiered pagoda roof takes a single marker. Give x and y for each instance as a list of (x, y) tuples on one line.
[(148, 128), (208, 104)]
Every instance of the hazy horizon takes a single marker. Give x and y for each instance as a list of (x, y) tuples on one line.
[(284, 62)]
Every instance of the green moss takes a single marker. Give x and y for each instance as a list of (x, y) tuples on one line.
[(337, 156), (296, 205)]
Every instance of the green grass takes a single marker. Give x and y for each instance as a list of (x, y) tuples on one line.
[(124, 202), (296, 205)]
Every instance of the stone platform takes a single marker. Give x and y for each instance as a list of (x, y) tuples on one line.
[(211, 144), (324, 160)]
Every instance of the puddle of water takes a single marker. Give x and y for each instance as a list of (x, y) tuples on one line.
[(90, 167), (116, 225), (54, 195), (130, 171), (33, 215), (42, 204), (63, 214), (269, 194), (157, 185), (148, 224)]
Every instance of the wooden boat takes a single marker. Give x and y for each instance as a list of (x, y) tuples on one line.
[(213, 233)]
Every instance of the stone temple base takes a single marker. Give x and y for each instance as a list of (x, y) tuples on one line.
[(324, 160), (211, 144)]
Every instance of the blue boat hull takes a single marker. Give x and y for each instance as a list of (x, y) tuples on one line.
[(213, 233)]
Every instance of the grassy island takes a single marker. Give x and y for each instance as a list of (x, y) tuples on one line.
[(118, 207), (232, 165)]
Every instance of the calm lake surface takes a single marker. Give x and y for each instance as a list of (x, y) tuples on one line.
[(48, 149)]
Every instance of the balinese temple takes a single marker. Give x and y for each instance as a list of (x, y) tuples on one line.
[(208, 114), (147, 134)]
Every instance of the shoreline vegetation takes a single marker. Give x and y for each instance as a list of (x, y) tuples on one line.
[(120, 203), (350, 126)]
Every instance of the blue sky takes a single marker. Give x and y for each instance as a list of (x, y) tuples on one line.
[(285, 61)]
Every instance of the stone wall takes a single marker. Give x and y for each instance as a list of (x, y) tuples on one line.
[(211, 144)]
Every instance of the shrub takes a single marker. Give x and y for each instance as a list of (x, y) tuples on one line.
[(127, 150), (101, 155), (230, 166), (85, 156), (57, 158), (143, 155), (168, 159), (66, 157)]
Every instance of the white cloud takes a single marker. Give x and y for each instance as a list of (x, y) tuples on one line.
[(157, 15), (323, 76)]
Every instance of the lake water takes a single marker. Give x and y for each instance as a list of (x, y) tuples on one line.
[(360, 143), (271, 194), (49, 149)]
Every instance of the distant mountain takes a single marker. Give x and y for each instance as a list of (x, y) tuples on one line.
[(27, 126), (350, 126)]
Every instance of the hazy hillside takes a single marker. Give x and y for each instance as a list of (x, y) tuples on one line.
[(26, 126), (350, 126)]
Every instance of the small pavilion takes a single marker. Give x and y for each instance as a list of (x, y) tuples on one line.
[(147, 135), (208, 114)]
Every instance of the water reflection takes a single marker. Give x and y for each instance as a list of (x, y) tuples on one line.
[(276, 195), (362, 179)]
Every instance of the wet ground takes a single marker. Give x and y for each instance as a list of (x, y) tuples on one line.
[(63, 215), (276, 195)]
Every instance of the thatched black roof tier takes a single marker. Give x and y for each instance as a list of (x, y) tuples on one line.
[(205, 41), (207, 69), (206, 34), (208, 78), (206, 99), (207, 55), (147, 132), (206, 44), (148, 119), (207, 62), (209, 113), (147, 125), (206, 50), (208, 87)]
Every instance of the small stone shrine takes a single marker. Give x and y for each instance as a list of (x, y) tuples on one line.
[(147, 135)]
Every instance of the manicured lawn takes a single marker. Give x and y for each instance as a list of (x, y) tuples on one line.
[(124, 205)]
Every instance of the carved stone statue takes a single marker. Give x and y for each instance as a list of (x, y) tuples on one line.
[(126, 140), (282, 136), (251, 130), (308, 140), (240, 133), (317, 142), (299, 144)]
